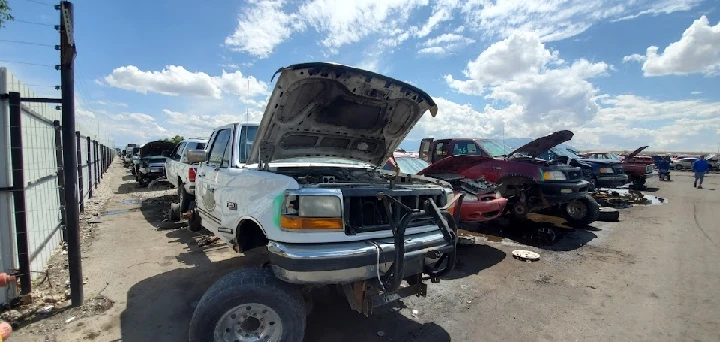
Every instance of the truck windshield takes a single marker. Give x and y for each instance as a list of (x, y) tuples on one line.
[(494, 148), (410, 165), (564, 152), (322, 160)]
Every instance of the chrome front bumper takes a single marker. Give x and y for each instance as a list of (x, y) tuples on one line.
[(334, 263)]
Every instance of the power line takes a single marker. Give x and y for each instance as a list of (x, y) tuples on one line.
[(26, 43), (39, 2), (26, 63), (32, 22)]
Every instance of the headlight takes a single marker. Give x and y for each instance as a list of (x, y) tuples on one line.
[(319, 206), (311, 212), (553, 175), (606, 170)]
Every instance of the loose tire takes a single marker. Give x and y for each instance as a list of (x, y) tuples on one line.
[(608, 214), (581, 212), (175, 212), (184, 198), (249, 305), (194, 222)]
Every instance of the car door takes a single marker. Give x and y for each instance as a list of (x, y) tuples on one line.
[(424, 152), (210, 208), (171, 168)]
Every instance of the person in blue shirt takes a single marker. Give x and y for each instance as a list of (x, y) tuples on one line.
[(700, 167), (664, 165)]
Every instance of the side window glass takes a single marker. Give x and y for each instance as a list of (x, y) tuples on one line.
[(441, 149), (217, 149), (179, 152), (388, 166), (226, 156)]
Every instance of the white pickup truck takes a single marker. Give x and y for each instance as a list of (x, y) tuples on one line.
[(311, 193), (180, 173)]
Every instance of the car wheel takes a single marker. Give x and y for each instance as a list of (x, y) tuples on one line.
[(184, 198), (249, 305), (194, 222), (678, 167), (581, 212)]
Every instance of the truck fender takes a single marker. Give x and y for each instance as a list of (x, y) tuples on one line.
[(249, 234)]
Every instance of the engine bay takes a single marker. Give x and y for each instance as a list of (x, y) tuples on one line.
[(324, 176)]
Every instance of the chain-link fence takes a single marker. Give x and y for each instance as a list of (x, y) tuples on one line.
[(32, 207)]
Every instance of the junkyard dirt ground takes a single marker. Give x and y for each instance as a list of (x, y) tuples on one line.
[(651, 276)]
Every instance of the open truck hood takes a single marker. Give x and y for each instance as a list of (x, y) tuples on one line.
[(156, 148), (635, 153), (540, 145), (332, 110)]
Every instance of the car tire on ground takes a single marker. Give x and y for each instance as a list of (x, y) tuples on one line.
[(249, 305), (194, 222), (581, 212), (608, 214), (184, 198), (678, 167), (175, 212)]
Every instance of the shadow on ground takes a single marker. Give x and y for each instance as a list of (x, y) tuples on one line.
[(541, 231), (474, 258), (159, 308)]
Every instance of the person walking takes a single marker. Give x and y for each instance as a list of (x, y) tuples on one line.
[(664, 167), (700, 167)]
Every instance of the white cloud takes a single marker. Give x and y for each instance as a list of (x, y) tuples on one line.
[(261, 27), (544, 92), (344, 22), (137, 117), (433, 50), (264, 24), (176, 80), (695, 92), (444, 43), (696, 52), (110, 103), (559, 19)]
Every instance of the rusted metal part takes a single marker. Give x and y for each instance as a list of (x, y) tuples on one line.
[(609, 198)]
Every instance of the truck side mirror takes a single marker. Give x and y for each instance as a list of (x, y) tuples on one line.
[(196, 156)]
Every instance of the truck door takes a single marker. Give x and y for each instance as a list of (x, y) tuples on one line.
[(425, 146), (219, 149)]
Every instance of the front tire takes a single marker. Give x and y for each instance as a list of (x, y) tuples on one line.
[(678, 167), (581, 212), (249, 305)]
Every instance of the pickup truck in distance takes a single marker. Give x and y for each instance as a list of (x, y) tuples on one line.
[(637, 169), (528, 183), (311, 194), (180, 173)]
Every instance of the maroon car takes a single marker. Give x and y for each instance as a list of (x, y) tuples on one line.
[(529, 184)]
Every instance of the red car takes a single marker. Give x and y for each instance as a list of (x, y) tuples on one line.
[(481, 203)]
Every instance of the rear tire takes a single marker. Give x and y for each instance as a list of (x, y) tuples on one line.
[(194, 222), (581, 212), (184, 198), (678, 167), (249, 304)]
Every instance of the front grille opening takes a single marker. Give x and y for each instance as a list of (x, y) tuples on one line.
[(368, 213)]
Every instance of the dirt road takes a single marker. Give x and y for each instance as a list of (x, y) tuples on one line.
[(651, 276)]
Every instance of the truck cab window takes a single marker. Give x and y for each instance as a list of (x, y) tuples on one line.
[(218, 147)]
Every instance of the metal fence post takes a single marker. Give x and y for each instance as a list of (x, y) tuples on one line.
[(79, 172), (90, 165), (60, 177), (18, 185), (97, 164)]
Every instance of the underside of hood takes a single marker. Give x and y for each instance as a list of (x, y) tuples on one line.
[(156, 148), (332, 110), (540, 145), (635, 153)]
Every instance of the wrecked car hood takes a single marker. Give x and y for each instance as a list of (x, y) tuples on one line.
[(156, 148), (540, 145), (336, 111), (635, 153), (453, 165)]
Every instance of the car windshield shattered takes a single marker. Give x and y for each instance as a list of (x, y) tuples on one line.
[(494, 148), (323, 160), (411, 166)]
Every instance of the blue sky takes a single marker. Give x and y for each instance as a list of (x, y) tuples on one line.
[(620, 74)]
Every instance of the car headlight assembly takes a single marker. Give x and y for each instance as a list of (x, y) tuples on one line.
[(606, 170), (554, 176), (311, 212), (319, 206)]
